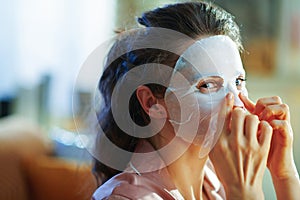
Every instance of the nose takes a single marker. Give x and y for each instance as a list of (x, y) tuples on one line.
[(235, 92), (237, 101)]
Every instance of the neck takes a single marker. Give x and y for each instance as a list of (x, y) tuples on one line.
[(187, 173)]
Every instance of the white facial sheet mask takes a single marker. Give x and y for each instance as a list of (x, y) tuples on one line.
[(197, 119)]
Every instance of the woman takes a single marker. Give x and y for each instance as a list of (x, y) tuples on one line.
[(191, 123)]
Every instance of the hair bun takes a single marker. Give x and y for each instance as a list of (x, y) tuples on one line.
[(143, 21), (119, 30)]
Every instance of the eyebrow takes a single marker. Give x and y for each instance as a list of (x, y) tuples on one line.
[(241, 72), (199, 76)]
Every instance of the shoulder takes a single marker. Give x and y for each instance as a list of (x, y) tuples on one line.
[(131, 186)]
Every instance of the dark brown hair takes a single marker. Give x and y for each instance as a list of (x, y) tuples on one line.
[(195, 19)]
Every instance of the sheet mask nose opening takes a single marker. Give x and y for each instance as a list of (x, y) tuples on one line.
[(235, 91)]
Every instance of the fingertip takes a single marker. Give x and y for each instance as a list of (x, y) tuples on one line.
[(227, 104), (229, 96), (241, 95), (265, 135), (230, 100), (244, 98), (264, 123), (266, 126), (274, 123), (229, 108), (249, 105)]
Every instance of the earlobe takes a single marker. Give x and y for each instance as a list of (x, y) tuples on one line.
[(157, 111), (149, 103)]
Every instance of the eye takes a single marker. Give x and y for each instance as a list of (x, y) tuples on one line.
[(208, 85), (240, 83)]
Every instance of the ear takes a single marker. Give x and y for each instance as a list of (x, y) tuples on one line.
[(149, 103)]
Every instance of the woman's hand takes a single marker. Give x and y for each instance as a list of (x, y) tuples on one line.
[(272, 110), (280, 160), (240, 155)]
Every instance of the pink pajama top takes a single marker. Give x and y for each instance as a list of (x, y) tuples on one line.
[(157, 184)]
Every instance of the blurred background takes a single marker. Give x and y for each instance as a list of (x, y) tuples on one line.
[(43, 44)]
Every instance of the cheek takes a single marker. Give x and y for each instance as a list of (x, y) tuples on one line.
[(209, 103), (209, 106), (210, 121), (173, 106), (192, 106), (191, 115)]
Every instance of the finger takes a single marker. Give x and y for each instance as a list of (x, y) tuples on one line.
[(280, 112), (284, 129), (237, 123), (251, 128), (265, 136), (263, 102), (225, 114), (249, 105)]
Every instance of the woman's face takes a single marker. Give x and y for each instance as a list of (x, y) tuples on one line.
[(203, 75)]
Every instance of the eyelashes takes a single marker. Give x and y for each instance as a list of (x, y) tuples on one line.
[(214, 84), (240, 83)]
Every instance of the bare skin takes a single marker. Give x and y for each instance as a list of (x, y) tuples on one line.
[(188, 179), (240, 157), (280, 159)]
